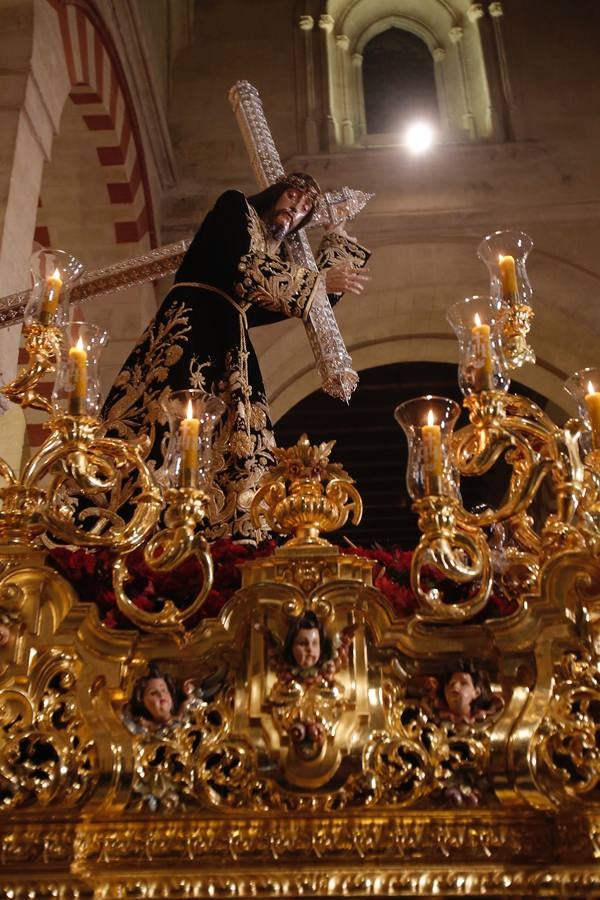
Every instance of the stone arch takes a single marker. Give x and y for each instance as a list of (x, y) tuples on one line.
[(393, 347), (98, 87), (404, 23), (450, 30), (78, 93), (398, 77), (402, 318)]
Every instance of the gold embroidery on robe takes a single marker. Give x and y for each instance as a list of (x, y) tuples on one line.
[(241, 455), (271, 282), (335, 249), (276, 285), (142, 386)]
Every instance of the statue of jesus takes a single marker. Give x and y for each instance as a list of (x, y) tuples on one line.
[(236, 274)]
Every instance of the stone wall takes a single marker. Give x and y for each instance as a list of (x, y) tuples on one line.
[(175, 64)]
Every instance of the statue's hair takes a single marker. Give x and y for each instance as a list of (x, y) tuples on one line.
[(267, 198)]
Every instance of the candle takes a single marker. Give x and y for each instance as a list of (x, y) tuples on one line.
[(188, 433), (508, 275), (432, 455), (592, 402), (78, 361), (482, 352), (50, 298)]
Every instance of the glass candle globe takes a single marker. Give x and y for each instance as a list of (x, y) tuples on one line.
[(584, 387), (193, 416), (77, 385), (505, 255), (53, 273), (481, 365), (428, 423)]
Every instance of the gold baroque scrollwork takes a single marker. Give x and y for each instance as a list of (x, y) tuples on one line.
[(566, 745), (192, 761), (166, 550), (48, 755)]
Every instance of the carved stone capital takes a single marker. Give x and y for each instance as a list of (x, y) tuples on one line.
[(475, 12), (455, 34), (306, 23), (326, 22), (439, 54), (342, 41), (495, 10), (357, 59)]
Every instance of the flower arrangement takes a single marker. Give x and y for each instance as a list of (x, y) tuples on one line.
[(90, 574)]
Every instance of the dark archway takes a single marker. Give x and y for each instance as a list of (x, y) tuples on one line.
[(372, 448), (398, 81)]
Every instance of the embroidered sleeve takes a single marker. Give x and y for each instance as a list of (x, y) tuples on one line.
[(276, 285), (335, 249)]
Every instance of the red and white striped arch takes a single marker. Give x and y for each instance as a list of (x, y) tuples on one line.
[(98, 89)]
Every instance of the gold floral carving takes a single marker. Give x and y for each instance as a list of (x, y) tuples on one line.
[(404, 800), (567, 743)]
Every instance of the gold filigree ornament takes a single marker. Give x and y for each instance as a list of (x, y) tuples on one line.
[(304, 494), (48, 755), (82, 504), (566, 747), (42, 344), (166, 550), (453, 548)]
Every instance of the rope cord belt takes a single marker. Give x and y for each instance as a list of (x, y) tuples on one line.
[(243, 349)]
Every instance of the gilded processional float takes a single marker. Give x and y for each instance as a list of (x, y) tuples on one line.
[(306, 738)]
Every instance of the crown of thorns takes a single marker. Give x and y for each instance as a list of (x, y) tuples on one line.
[(304, 183)]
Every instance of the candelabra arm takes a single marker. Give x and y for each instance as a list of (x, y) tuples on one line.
[(570, 463), (42, 345), (524, 535), (561, 529), (39, 464), (90, 471), (457, 552), (7, 473), (477, 448), (109, 456), (165, 551)]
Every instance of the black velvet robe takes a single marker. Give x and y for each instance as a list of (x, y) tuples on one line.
[(231, 278)]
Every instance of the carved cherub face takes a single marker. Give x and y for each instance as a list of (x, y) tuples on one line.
[(459, 693), (158, 701), (306, 648)]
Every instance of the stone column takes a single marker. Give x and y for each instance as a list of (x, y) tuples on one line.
[(496, 12), (306, 25), (326, 23), (34, 88), (496, 104), (468, 122), (359, 95), (439, 55), (342, 42)]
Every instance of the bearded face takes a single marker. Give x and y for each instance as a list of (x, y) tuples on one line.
[(287, 213)]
